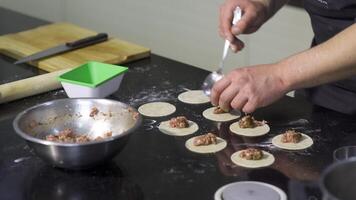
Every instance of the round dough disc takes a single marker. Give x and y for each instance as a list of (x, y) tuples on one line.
[(157, 109), (223, 117), (166, 129), (249, 132), (305, 143), (267, 160), (212, 148), (193, 97)]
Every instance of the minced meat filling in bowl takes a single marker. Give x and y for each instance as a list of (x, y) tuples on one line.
[(68, 136)]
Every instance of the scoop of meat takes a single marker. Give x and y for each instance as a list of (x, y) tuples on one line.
[(251, 154), (219, 110), (291, 136), (247, 122), (179, 122), (206, 139)]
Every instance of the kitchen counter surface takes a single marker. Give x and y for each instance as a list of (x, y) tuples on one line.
[(154, 166)]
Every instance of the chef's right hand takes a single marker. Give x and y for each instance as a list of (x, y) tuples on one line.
[(254, 14)]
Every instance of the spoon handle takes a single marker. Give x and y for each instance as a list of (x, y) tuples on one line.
[(225, 52), (237, 17)]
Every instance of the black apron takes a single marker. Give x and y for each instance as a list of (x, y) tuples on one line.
[(329, 17)]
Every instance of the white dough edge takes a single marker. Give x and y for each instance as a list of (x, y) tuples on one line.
[(212, 148), (193, 97), (305, 143), (266, 161), (249, 132), (165, 128), (157, 109), (224, 117)]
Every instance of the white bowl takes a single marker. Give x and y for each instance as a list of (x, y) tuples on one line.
[(103, 90)]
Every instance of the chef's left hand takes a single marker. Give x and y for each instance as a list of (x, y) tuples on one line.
[(249, 88)]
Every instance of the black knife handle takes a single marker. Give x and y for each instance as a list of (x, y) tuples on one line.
[(101, 37)]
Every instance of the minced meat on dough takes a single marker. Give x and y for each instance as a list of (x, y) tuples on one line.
[(249, 122), (291, 136), (206, 139), (179, 122), (219, 110), (251, 154)]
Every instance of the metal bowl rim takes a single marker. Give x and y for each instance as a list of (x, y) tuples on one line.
[(343, 147), (27, 137), (327, 171)]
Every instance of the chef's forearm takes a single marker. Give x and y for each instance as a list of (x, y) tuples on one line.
[(330, 61)]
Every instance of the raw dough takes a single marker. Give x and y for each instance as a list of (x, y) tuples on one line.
[(224, 117), (249, 132), (212, 148), (267, 160), (193, 97), (305, 143), (157, 109), (166, 129)]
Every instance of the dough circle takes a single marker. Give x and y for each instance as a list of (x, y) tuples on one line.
[(212, 148), (267, 160), (156, 109), (165, 128), (249, 132), (193, 97), (305, 143), (223, 117)]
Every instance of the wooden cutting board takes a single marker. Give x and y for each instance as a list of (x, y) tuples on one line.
[(114, 51)]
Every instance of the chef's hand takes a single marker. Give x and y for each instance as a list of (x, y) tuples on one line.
[(249, 88), (254, 14)]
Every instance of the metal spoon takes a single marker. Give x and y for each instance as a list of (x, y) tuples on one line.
[(215, 76)]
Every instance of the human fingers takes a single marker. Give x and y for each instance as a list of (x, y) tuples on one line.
[(226, 16), (237, 45), (217, 89), (227, 96), (239, 101), (221, 29), (250, 106), (246, 22)]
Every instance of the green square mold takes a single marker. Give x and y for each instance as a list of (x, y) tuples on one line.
[(92, 79)]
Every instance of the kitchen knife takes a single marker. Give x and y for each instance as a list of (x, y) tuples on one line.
[(69, 46)]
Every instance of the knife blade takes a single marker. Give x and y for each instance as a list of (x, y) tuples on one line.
[(69, 46)]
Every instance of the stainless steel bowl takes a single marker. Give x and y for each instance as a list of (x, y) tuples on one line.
[(338, 181), (52, 117)]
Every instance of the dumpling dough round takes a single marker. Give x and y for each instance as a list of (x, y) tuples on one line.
[(212, 148), (193, 97), (165, 128), (249, 132), (223, 117), (267, 160), (305, 143), (157, 109)]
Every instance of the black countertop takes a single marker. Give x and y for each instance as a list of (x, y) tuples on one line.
[(154, 166)]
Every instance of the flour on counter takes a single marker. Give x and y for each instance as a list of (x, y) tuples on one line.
[(153, 94)]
